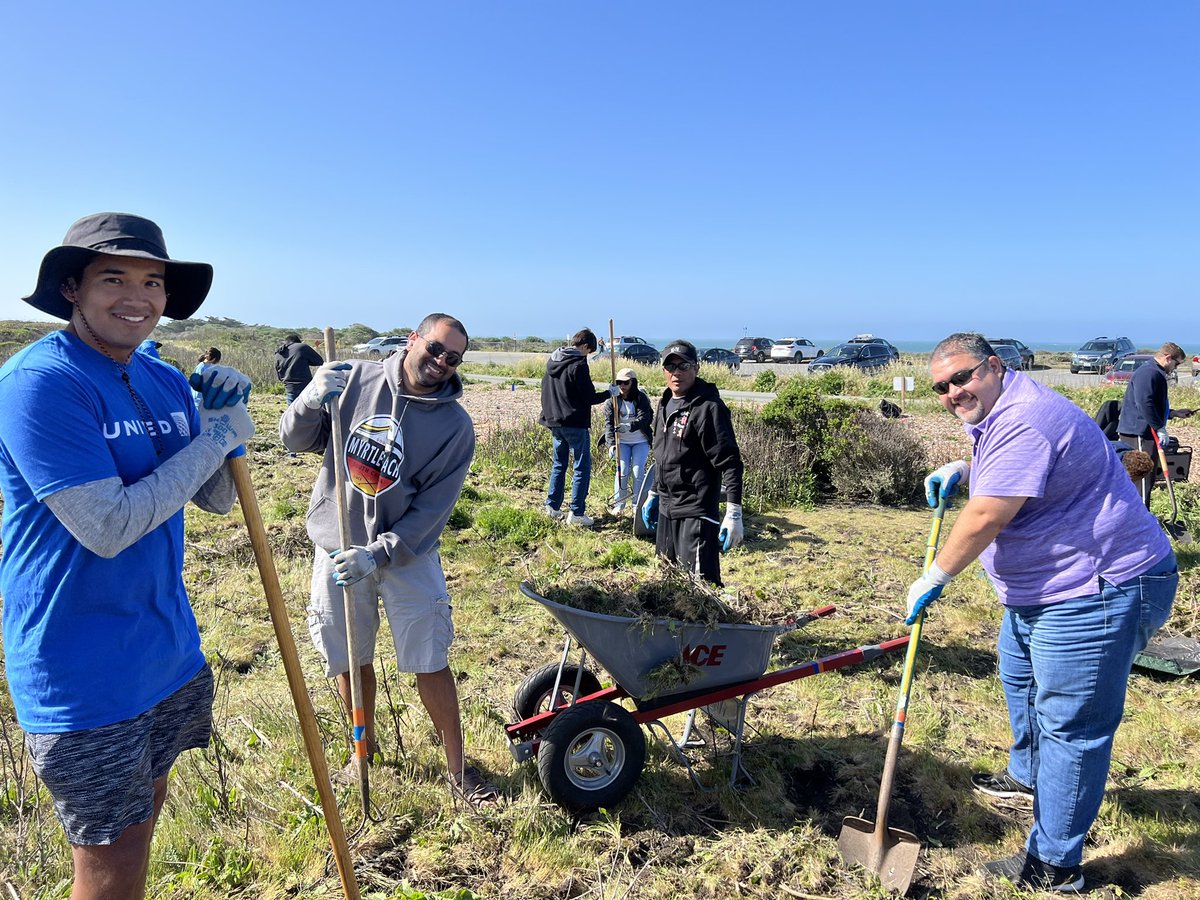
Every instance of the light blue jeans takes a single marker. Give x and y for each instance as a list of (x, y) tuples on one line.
[(1065, 667), (631, 468), (567, 441)]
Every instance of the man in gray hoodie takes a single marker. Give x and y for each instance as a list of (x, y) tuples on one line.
[(408, 446)]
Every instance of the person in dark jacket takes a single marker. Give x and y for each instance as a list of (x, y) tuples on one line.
[(1145, 411), (568, 396), (293, 361), (628, 438), (695, 454)]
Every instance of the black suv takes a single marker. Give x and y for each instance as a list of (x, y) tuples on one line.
[(1026, 353), (1100, 354), (757, 349), (869, 355), (892, 352)]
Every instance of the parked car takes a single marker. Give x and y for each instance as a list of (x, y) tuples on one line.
[(718, 357), (1026, 353), (867, 355), (1100, 354), (386, 346), (373, 342), (1123, 370), (757, 349), (893, 353), (642, 353), (621, 343), (794, 350), (1009, 355)]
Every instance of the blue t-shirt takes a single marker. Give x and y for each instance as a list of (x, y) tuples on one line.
[(89, 641)]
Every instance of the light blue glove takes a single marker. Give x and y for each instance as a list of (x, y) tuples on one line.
[(612, 451), (925, 590), (220, 386), (328, 382), (228, 428), (650, 511), (944, 480), (623, 428), (613, 390), (353, 565), (732, 532)]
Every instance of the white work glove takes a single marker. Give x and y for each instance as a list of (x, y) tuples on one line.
[(613, 390), (1163, 437), (731, 527), (229, 428), (612, 451), (353, 565), (328, 382), (220, 386), (623, 428), (944, 480), (924, 591)]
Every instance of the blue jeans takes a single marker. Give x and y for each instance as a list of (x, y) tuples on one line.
[(567, 441), (1065, 667), (631, 470)]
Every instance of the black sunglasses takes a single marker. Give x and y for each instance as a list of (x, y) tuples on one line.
[(679, 366), (958, 379), (622, 381), (437, 348)]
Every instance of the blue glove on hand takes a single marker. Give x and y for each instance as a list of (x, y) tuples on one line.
[(220, 386), (650, 511), (328, 382), (925, 590), (944, 481), (732, 533), (614, 391), (228, 428), (353, 565)]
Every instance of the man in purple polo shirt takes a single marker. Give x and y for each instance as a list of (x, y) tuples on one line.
[(1086, 576)]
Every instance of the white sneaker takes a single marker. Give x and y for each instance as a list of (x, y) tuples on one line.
[(553, 513), (617, 510), (581, 521)]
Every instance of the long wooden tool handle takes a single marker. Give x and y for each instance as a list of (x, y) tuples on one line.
[(358, 715), (295, 676), (910, 663)]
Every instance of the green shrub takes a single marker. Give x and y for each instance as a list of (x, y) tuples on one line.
[(879, 461), (623, 555), (778, 468), (831, 381), (764, 382), (517, 456)]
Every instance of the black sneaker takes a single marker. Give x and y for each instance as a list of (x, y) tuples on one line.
[(1000, 784), (1027, 871)]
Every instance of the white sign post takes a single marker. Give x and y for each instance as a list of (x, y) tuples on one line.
[(902, 384)]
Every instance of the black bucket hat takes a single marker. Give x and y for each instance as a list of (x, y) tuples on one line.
[(118, 234)]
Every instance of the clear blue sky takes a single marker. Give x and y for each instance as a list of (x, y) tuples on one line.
[(907, 168)]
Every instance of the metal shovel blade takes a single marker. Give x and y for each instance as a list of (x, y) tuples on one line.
[(891, 854), (1178, 532)]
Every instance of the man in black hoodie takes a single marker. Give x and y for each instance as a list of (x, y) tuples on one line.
[(695, 454), (293, 360), (568, 396)]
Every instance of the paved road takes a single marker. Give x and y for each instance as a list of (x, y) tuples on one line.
[(750, 369)]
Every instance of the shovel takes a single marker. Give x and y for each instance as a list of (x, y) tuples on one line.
[(1174, 528), (889, 852)]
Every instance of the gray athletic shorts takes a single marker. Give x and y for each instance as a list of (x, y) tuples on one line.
[(102, 779), (417, 604)]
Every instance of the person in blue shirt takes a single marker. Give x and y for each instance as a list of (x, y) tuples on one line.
[(100, 448)]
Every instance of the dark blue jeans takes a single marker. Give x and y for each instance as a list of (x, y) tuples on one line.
[(1065, 668), (567, 441)]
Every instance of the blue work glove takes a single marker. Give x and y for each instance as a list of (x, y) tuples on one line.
[(925, 590), (650, 511), (328, 382), (220, 386), (944, 481), (614, 391), (731, 528), (353, 565)]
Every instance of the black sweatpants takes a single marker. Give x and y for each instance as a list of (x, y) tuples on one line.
[(692, 544)]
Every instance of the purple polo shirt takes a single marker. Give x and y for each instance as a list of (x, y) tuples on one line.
[(1084, 519)]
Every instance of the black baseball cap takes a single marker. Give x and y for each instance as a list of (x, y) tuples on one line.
[(685, 350)]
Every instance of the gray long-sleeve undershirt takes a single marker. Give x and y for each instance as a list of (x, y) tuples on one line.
[(106, 516)]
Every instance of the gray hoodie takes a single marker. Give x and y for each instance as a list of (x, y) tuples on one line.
[(406, 459)]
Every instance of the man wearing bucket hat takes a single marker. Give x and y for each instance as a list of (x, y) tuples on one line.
[(102, 651), (695, 455)]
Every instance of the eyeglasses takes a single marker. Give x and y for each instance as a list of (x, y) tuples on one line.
[(678, 367), (437, 348), (958, 379)]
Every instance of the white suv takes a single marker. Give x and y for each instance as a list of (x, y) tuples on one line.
[(794, 350)]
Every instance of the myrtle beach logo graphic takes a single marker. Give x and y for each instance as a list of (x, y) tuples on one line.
[(374, 451)]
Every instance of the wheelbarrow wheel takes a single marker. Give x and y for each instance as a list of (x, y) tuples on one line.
[(533, 696), (591, 755)]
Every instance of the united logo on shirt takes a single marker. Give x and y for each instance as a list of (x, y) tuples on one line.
[(374, 452)]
